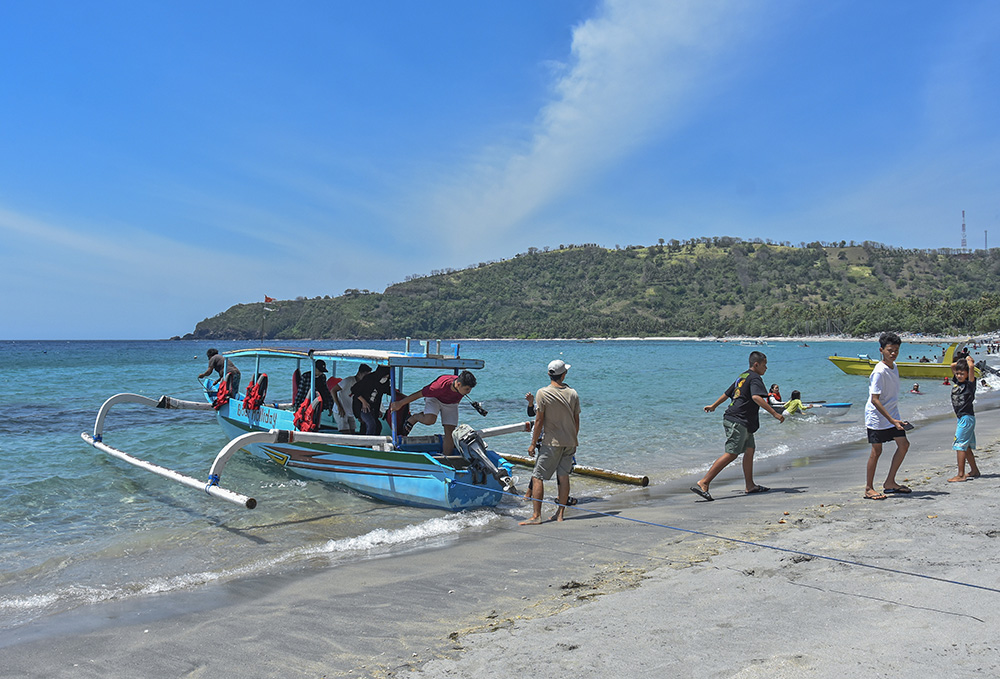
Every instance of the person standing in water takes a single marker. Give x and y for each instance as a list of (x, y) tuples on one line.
[(740, 421)]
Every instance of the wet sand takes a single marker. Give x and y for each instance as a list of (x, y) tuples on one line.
[(599, 595)]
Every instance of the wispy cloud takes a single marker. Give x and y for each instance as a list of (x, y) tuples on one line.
[(634, 73)]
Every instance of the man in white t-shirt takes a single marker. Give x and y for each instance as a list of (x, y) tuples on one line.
[(345, 405), (882, 418)]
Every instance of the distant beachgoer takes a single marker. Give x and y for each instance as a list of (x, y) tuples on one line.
[(916, 389), (882, 418), (795, 405), (345, 401), (223, 366), (740, 421), (367, 405), (557, 429), (440, 396), (963, 395)]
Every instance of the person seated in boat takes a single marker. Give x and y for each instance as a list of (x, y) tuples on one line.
[(225, 368), (916, 389), (440, 396), (345, 401), (796, 405), (322, 390), (367, 404), (774, 394)]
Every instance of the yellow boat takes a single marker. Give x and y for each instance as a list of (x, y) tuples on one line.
[(864, 366)]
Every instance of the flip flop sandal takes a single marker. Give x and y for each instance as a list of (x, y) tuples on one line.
[(704, 493)]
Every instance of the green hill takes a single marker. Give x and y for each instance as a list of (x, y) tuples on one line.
[(703, 287)]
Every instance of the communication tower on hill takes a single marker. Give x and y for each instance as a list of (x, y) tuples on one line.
[(963, 230)]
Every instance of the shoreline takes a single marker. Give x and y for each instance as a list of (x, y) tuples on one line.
[(483, 603), (907, 338)]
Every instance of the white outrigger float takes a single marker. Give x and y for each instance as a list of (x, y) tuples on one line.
[(408, 470)]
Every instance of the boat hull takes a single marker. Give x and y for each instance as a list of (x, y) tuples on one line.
[(864, 366), (396, 476), (833, 409)]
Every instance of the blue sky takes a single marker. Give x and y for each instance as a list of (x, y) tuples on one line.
[(162, 161)]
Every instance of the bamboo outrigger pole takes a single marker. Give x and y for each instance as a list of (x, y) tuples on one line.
[(211, 486), (583, 470)]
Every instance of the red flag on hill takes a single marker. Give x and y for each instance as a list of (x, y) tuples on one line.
[(268, 299)]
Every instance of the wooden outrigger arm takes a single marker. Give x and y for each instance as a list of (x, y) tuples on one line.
[(211, 487)]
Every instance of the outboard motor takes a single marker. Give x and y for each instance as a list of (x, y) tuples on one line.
[(470, 444)]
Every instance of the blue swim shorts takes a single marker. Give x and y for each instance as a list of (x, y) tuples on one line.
[(965, 433)]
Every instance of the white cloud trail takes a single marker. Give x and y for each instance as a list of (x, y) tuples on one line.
[(635, 71)]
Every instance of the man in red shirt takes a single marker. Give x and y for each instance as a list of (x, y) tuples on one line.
[(440, 396)]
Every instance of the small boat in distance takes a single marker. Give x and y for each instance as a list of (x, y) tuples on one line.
[(863, 365), (394, 468), (828, 409)]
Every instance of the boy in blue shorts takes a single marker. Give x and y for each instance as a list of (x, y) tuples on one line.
[(963, 393), (882, 418), (740, 421)]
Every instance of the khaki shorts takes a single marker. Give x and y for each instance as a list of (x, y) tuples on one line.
[(553, 460), (448, 411), (738, 439)]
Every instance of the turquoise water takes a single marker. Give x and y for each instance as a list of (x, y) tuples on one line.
[(80, 527)]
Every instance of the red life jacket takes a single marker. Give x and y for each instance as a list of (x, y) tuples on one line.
[(256, 393), (222, 396), (307, 416)]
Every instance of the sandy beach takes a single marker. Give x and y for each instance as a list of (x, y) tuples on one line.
[(615, 592)]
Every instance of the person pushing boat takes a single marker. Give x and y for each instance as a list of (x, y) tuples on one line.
[(218, 363), (558, 416), (795, 405)]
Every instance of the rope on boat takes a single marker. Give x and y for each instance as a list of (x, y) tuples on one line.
[(751, 543)]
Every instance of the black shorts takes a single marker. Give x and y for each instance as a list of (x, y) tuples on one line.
[(885, 435)]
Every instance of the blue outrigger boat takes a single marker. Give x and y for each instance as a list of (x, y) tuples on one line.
[(408, 470)]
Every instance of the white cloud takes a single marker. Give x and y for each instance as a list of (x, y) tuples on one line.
[(636, 69)]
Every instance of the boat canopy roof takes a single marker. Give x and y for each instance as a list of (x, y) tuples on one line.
[(393, 359)]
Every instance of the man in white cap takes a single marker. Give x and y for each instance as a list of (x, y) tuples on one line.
[(557, 423)]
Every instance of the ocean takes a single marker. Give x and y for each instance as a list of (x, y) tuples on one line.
[(82, 528)]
